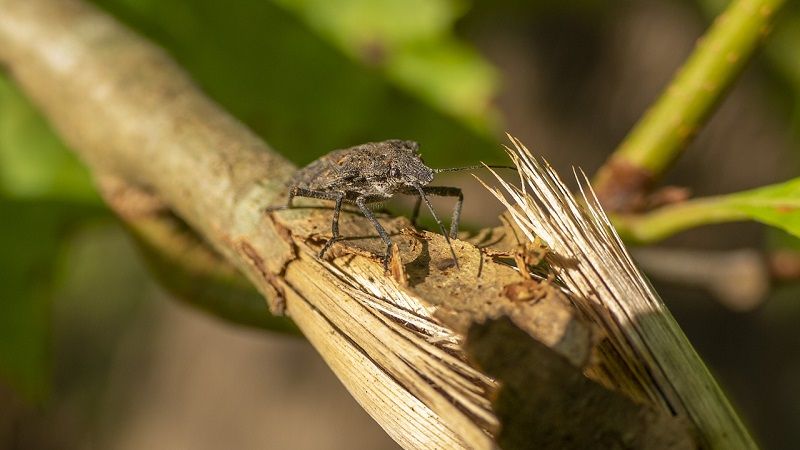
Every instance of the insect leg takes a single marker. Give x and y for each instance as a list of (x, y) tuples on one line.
[(288, 204), (299, 192), (447, 191), (311, 193), (334, 224), (424, 197), (361, 203), (415, 213), (338, 197)]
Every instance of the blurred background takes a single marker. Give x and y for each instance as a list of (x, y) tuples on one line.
[(94, 354)]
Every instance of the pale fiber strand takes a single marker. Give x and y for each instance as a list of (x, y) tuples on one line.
[(608, 287)]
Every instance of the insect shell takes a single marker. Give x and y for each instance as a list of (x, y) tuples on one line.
[(371, 173), (375, 169)]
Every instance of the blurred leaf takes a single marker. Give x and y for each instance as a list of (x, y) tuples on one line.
[(413, 41), (33, 161), (44, 190), (296, 89), (777, 205), (781, 52), (30, 238), (778, 239)]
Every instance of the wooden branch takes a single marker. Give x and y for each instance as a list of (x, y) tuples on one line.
[(396, 343), (182, 262)]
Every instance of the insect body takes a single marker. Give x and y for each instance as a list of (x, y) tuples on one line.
[(371, 173)]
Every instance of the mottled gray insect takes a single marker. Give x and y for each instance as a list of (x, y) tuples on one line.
[(372, 173)]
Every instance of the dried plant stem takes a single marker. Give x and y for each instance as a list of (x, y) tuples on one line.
[(668, 126), (660, 364), (396, 344)]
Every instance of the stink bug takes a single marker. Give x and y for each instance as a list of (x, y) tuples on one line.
[(371, 173)]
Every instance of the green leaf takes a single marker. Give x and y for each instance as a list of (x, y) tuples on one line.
[(777, 205), (31, 234), (44, 191), (413, 41), (34, 163), (299, 89)]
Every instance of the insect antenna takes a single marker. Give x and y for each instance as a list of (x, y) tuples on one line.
[(479, 166), (439, 222)]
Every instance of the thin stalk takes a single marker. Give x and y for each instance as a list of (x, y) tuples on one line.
[(672, 219), (669, 125)]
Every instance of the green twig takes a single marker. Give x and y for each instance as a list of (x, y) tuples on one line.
[(672, 219), (668, 126)]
